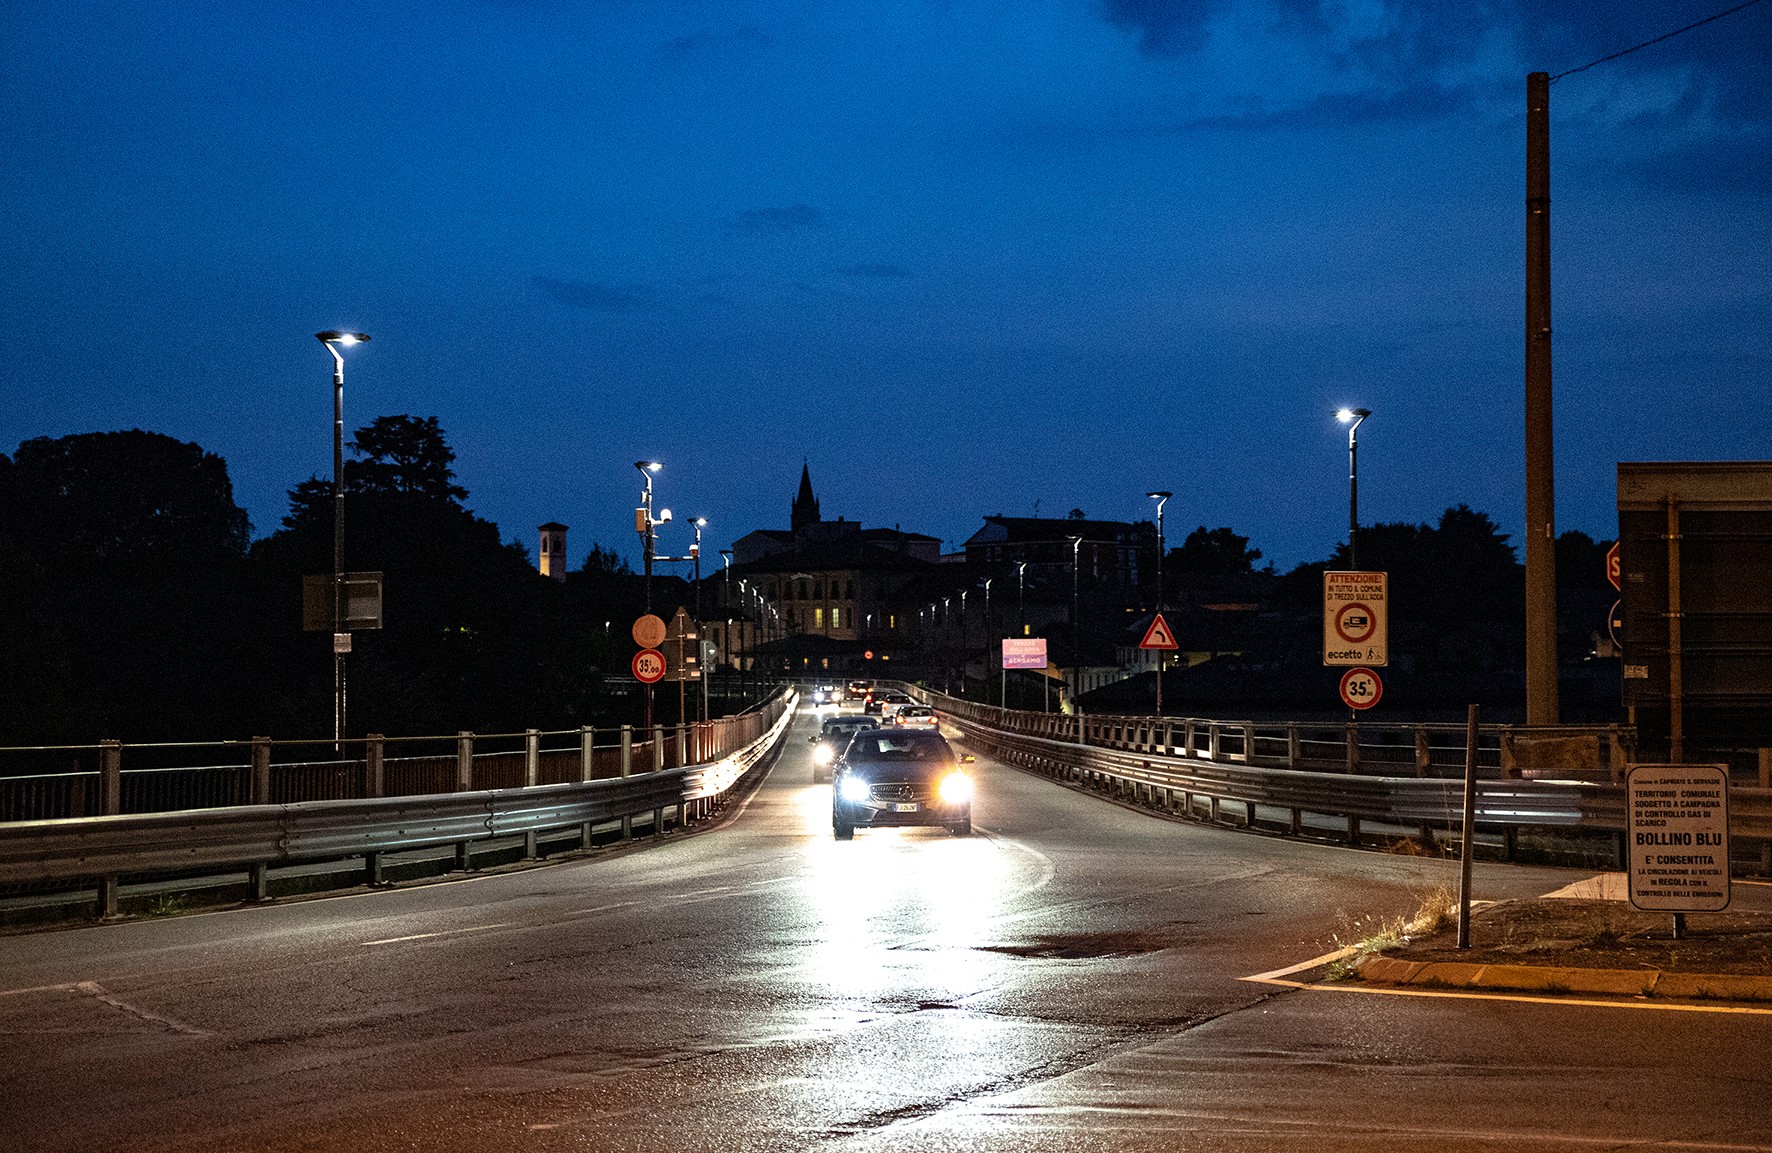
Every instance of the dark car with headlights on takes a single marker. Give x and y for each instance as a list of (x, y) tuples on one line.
[(833, 738), (891, 777)]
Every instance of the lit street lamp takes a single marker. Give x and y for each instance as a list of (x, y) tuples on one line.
[(645, 525), (700, 523), (1162, 498), (335, 340), (1353, 417)]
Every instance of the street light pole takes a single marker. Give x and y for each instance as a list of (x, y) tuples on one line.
[(1162, 498), (335, 340), (1076, 618), (1353, 418), (645, 525)]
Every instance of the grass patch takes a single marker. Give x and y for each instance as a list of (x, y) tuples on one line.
[(1369, 935), (170, 905)]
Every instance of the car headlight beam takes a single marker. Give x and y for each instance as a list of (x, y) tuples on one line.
[(853, 789), (823, 755), (955, 788)]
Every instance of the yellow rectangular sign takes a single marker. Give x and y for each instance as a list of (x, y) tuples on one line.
[(1356, 625)]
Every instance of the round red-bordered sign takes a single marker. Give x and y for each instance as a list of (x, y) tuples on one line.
[(1355, 622), (649, 666), (1360, 688)]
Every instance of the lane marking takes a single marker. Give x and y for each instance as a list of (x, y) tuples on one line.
[(64, 987), (1325, 959), (440, 933), (99, 992)]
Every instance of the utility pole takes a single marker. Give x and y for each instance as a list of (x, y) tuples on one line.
[(1541, 531)]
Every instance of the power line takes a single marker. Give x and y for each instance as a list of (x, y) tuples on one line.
[(1657, 40)]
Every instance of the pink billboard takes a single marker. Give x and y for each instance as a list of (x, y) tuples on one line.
[(1029, 653)]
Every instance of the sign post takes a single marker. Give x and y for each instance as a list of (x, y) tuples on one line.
[(1679, 839), (648, 632), (1161, 638), (1021, 653)]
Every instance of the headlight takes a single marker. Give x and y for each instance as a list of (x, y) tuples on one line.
[(853, 789), (955, 788), (823, 755)]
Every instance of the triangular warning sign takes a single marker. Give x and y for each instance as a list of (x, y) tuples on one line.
[(1158, 635)]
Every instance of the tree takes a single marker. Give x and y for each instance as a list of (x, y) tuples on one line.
[(1214, 552), (605, 562), (120, 561), (399, 454)]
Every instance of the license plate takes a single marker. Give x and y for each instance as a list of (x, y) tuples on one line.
[(901, 807)]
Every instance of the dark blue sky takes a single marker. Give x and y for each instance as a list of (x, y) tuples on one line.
[(963, 257)]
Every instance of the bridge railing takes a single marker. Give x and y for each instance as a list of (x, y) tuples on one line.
[(189, 820), (167, 777), (1407, 784), (1381, 748)]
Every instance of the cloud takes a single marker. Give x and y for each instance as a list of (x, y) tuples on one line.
[(596, 297), (766, 221), (872, 271)]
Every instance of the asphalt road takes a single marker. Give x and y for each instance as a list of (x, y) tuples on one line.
[(1067, 979)]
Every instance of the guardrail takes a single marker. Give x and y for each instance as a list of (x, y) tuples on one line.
[(1140, 760), (99, 850)]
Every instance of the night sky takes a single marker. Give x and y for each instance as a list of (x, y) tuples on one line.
[(963, 258)]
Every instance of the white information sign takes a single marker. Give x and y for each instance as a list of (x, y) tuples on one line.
[(1355, 625), (1679, 837)]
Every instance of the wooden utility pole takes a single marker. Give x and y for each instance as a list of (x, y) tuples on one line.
[(1541, 515)]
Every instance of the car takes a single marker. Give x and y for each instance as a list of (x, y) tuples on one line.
[(890, 777), (916, 717), (833, 738), (826, 695), (857, 690)]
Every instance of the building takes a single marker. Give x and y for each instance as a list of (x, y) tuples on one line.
[(550, 557)]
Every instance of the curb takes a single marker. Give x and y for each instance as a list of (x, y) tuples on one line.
[(1544, 979)]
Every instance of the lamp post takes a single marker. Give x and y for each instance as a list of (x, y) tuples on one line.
[(1353, 418), (645, 525), (1076, 616), (1162, 498), (700, 523), (1021, 595), (341, 639)]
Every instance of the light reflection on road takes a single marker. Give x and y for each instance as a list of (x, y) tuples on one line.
[(900, 914)]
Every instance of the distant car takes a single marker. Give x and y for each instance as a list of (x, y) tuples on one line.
[(857, 690), (916, 717), (832, 739), (826, 695), (887, 701), (890, 777)]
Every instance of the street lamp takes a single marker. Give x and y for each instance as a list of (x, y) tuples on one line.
[(1021, 595), (700, 523), (1162, 498), (341, 640), (645, 525), (1076, 614), (1353, 417)]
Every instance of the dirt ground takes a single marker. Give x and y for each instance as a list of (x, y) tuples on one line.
[(1596, 934)]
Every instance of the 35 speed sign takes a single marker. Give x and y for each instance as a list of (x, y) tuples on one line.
[(1360, 688)]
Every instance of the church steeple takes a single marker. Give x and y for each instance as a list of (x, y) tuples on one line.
[(805, 511)]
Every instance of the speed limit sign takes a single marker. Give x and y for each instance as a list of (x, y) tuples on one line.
[(649, 666), (1360, 688)]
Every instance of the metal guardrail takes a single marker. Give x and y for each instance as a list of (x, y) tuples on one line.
[(101, 849), (1143, 765)]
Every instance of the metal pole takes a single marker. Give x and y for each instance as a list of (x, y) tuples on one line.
[(1469, 841), (1541, 538), (338, 549)]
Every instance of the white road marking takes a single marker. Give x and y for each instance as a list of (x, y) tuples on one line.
[(440, 933)]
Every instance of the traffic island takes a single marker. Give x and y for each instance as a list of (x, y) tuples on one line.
[(1593, 947)]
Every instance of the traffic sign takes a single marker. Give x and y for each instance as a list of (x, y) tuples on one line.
[(1158, 636), (1614, 567), (1024, 653), (1356, 629), (649, 631), (1360, 688), (649, 666), (1679, 837)]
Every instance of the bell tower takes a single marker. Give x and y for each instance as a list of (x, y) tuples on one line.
[(805, 511)]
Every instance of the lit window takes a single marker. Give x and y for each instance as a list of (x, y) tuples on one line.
[(836, 618), (818, 618)]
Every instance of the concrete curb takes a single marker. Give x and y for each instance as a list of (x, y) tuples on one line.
[(1546, 979)]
